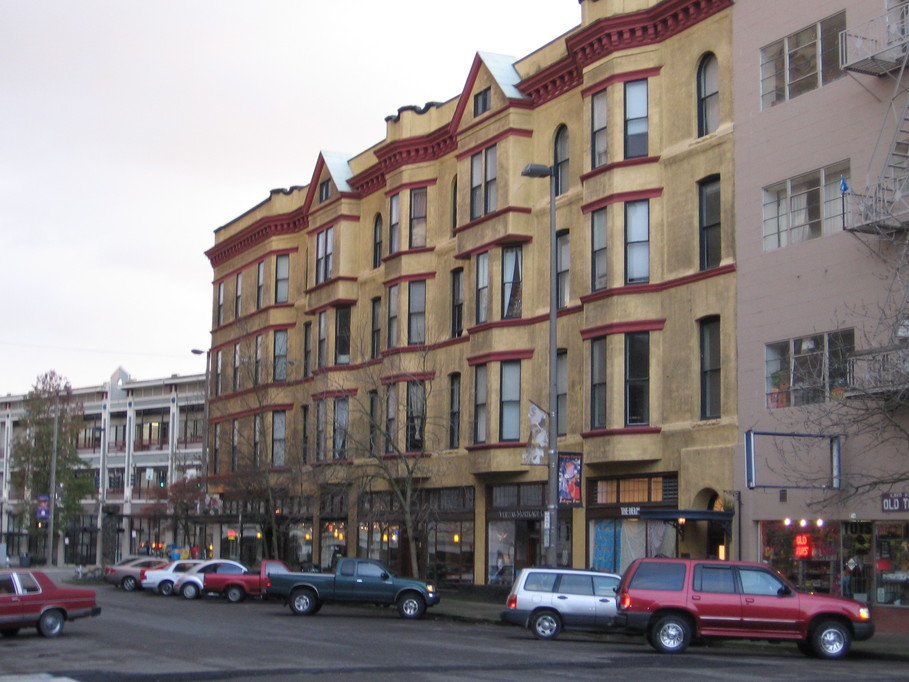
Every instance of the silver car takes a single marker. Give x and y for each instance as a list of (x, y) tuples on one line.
[(548, 600), (126, 573), (161, 580)]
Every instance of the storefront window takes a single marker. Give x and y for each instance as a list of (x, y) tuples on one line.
[(892, 563), (451, 552), (301, 544), (807, 555), (333, 543), (380, 541)]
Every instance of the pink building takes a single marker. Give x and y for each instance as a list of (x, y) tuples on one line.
[(822, 142)]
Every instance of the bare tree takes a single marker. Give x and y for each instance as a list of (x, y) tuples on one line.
[(45, 454)]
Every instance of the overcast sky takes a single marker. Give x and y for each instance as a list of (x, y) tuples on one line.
[(130, 131)]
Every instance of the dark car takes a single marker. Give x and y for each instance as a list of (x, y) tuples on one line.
[(673, 601), (30, 598)]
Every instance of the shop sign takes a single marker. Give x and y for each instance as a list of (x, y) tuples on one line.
[(630, 511), (517, 514), (895, 502), (802, 546)]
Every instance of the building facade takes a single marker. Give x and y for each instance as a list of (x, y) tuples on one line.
[(137, 440), (820, 116), (380, 334)]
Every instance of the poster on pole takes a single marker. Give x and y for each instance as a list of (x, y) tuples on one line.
[(569, 479), (43, 511), (535, 453)]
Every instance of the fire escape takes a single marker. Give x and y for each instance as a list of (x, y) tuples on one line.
[(881, 48)]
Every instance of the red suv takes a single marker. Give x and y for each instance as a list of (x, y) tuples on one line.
[(672, 601)]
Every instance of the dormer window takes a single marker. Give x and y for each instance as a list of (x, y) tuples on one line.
[(481, 102), (324, 190)]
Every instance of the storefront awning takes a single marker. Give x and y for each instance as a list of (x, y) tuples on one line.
[(724, 518)]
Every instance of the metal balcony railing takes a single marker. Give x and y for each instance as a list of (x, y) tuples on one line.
[(878, 372), (877, 47)]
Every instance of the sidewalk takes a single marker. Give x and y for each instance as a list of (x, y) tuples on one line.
[(883, 646)]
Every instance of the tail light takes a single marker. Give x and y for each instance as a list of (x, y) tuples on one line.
[(512, 602), (624, 600), (142, 575)]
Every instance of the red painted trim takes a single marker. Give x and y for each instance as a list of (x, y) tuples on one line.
[(415, 277), (501, 445), (498, 242), (420, 184), (623, 328), (329, 282), (334, 303), (620, 78), (622, 197), (408, 252), (336, 393), (406, 376), (500, 356), (495, 139), (249, 335), (491, 216), (259, 409), (623, 163), (332, 222), (624, 431), (663, 286)]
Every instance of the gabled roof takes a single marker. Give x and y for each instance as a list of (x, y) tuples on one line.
[(506, 77), (338, 167)]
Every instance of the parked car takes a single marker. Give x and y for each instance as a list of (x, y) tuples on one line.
[(191, 585), (161, 580), (548, 600), (30, 598), (236, 586), (126, 573), (672, 601), (362, 581)]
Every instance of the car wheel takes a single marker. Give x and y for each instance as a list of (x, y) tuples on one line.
[(671, 634), (831, 639), (190, 591), (235, 594), (166, 587), (411, 605), (304, 602), (9, 632), (51, 623), (545, 625), (129, 583)]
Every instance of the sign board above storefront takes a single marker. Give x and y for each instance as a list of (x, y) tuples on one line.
[(895, 502)]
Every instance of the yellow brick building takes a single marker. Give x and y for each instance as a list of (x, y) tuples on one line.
[(393, 314)]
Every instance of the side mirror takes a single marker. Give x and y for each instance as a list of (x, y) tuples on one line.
[(384, 575), (784, 591)]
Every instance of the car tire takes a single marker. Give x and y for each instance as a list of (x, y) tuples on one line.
[(190, 591), (671, 634), (50, 624), (166, 587), (545, 624), (830, 639), (411, 606), (235, 594), (303, 602), (129, 584), (9, 632)]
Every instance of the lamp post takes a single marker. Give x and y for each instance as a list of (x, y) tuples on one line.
[(205, 415), (551, 523)]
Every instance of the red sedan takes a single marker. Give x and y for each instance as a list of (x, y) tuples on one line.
[(31, 598)]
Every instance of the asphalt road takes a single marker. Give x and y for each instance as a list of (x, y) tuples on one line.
[(141, 637)]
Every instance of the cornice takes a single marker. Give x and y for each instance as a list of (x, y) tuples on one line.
[(260, 231)]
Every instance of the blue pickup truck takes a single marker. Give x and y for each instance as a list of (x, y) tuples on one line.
[(360, 581)]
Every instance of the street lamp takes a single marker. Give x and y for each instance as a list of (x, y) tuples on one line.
[(205, 414), (551, 523)]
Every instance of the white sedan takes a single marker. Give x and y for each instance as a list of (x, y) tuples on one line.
[(162, 580), (190, 585)]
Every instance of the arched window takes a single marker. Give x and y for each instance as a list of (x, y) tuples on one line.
[(560, 160), (708, 95)]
